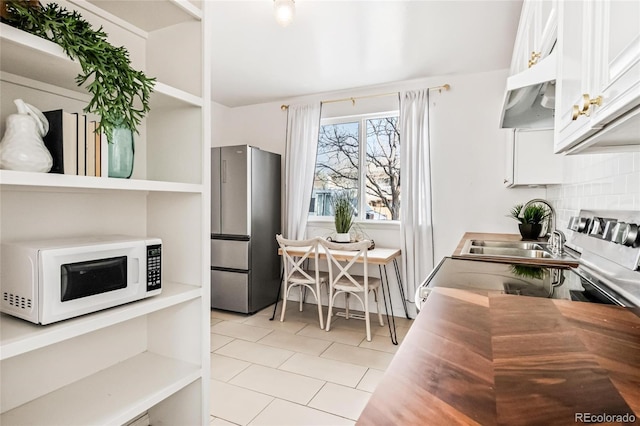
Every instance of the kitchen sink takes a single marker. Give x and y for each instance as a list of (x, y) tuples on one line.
[(537, 252), (530, 253), (508, 244), (507, 249)]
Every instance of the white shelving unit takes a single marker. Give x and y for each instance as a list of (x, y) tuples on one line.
[(10, 178), (148, 356)]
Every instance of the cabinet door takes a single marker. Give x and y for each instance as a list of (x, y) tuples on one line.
[(537, 33), (545, 27), (530, 159), (575, 77), (534, 162), (524, 39), (617, 73), (508, 159), (234, 198)]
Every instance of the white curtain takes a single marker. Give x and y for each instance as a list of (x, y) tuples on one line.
[(416, 223), (303, 127)]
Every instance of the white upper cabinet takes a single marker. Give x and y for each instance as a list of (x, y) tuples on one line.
[(537, 34), (530, 160), (530, 92), (598, 84)]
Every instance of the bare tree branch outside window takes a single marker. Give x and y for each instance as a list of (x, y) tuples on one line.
[(383, 163), (338, 166)]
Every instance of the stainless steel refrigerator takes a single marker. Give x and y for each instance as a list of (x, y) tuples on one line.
[(245, 218)]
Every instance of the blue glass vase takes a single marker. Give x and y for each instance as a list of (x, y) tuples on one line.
[(121, 153)]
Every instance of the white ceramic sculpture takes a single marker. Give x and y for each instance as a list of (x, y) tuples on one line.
[(22, 147)]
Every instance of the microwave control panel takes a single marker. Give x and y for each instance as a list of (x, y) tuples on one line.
[(154, 257)]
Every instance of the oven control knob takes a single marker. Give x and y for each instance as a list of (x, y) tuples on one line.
[(578, 224), (609, 227), (630, 237), (583, 224), (618, 232), (595, 227)]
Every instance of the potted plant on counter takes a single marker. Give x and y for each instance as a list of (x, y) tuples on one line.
[(343, 212), (531, 219)]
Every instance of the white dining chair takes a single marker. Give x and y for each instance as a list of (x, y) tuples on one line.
[(342, 280), (296, 275)]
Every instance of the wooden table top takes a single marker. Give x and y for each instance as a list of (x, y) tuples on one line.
[(376, 256), (495, 359)]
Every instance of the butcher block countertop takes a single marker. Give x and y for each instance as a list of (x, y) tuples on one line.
[(457, 254), (496, 359)]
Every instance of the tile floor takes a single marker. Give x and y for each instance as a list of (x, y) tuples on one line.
[(293, 373)]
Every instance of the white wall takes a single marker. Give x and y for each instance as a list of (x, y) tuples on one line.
[(467, 154), (468, 158), (218, 128), (263, 126)]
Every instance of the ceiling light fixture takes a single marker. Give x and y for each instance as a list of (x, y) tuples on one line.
[(284, 10)]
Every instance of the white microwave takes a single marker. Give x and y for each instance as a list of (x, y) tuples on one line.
[(53, 280)]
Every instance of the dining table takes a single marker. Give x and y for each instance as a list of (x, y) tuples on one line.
[(376, 256)]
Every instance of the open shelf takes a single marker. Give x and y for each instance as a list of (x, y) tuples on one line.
[(166, 96), (18, 336), (112, 396), (84, 183), (42, 61), (146, 15), (38, 59)]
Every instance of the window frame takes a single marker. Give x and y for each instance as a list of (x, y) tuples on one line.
[(362, 163)]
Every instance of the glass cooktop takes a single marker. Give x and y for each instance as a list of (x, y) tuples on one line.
[(523, 280)]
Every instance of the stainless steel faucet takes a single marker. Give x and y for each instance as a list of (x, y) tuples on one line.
[(556, 241), (556, 237)]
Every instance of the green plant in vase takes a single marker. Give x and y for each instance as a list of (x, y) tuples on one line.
[(531, 219), (343, 212), (119, 94)]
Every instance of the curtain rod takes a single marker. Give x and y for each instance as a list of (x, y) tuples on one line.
[(353, 99)]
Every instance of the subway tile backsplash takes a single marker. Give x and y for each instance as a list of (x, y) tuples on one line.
[(597, 181)]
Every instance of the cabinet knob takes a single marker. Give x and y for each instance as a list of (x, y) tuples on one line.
[(533, 59), (585, 106), (575, 112)]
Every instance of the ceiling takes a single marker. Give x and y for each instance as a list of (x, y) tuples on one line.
[(336, 45)]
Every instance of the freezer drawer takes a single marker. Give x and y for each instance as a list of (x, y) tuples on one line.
[(231, 254), (230, 290)]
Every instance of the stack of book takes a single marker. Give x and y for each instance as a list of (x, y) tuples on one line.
[(75, 145)]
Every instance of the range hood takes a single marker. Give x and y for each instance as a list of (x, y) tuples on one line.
[(529, 101)]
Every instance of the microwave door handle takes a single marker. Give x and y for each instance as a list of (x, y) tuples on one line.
[(135, 270)]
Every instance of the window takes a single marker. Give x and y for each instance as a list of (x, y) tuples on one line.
[(359, 155)]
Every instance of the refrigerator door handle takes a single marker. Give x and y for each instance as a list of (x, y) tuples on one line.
[(224, 171)]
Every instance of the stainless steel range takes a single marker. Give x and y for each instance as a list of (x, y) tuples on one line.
[(607, 244)]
